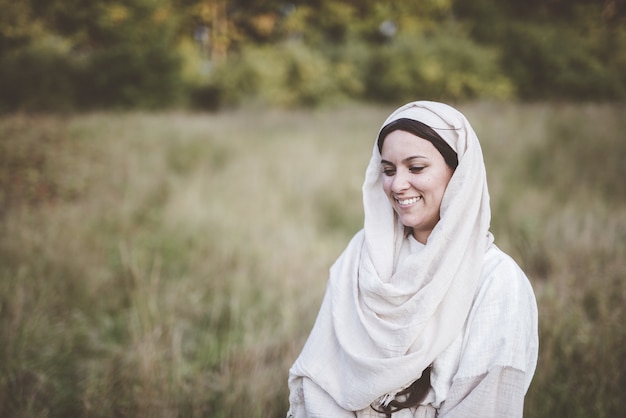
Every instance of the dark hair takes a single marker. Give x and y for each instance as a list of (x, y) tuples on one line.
[(423, 131), (412, 395)]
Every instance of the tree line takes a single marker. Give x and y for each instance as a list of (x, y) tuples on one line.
[(85, 54)]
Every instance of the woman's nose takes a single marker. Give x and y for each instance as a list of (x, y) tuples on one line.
[(400, 182)]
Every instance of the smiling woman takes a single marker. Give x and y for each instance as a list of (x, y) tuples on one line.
[(423, 315), (415, 178)]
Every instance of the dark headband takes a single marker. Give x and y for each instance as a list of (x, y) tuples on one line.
[(423, 131)]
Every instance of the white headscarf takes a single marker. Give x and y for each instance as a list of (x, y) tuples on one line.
[(384, 320)]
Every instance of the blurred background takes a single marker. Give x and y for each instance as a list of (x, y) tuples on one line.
[(177, 177), (77, 55)]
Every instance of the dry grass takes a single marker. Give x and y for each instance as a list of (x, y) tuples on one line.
[(172, 264)]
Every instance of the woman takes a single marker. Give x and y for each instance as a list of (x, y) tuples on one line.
[(423, 315)]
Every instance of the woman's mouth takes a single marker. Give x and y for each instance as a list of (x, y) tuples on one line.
[(409, 201)]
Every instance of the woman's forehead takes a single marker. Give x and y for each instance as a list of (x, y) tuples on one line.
[(405, 144)]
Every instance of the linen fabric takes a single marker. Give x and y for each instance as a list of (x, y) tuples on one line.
[(488, 368), (388, 313)]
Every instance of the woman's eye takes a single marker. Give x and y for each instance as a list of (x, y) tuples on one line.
[(389, 172), (416, 169)]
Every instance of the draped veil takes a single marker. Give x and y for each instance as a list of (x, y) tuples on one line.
[(384, 319)]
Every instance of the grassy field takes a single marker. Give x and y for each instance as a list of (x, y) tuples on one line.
[(172, 264)]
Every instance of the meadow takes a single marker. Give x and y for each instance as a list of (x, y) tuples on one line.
[(171, 264)]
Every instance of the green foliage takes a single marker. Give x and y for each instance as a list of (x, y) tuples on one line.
[(554, 50), (548, 61), (152, 53), (48, 78), (134, 76), (39, 77), (289, 74), (293, 74), (17, 24), (444, 65), (101, 55)]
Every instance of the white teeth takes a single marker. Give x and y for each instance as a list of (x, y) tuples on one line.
[(408, 201)]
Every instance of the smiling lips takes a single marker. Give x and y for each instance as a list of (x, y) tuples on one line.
[(407, 202)]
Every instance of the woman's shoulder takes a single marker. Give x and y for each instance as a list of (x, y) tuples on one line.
[(501, 275), (501, 329), (505, 289), (495, 258), (502, 325)]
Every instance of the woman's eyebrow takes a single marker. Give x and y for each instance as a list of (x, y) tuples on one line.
[(414, 157), (407, 159)]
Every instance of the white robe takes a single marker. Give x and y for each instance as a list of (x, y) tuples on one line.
[(488, 368), (394, 306)]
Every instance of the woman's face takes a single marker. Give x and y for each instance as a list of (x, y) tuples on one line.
[(415, 177)]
